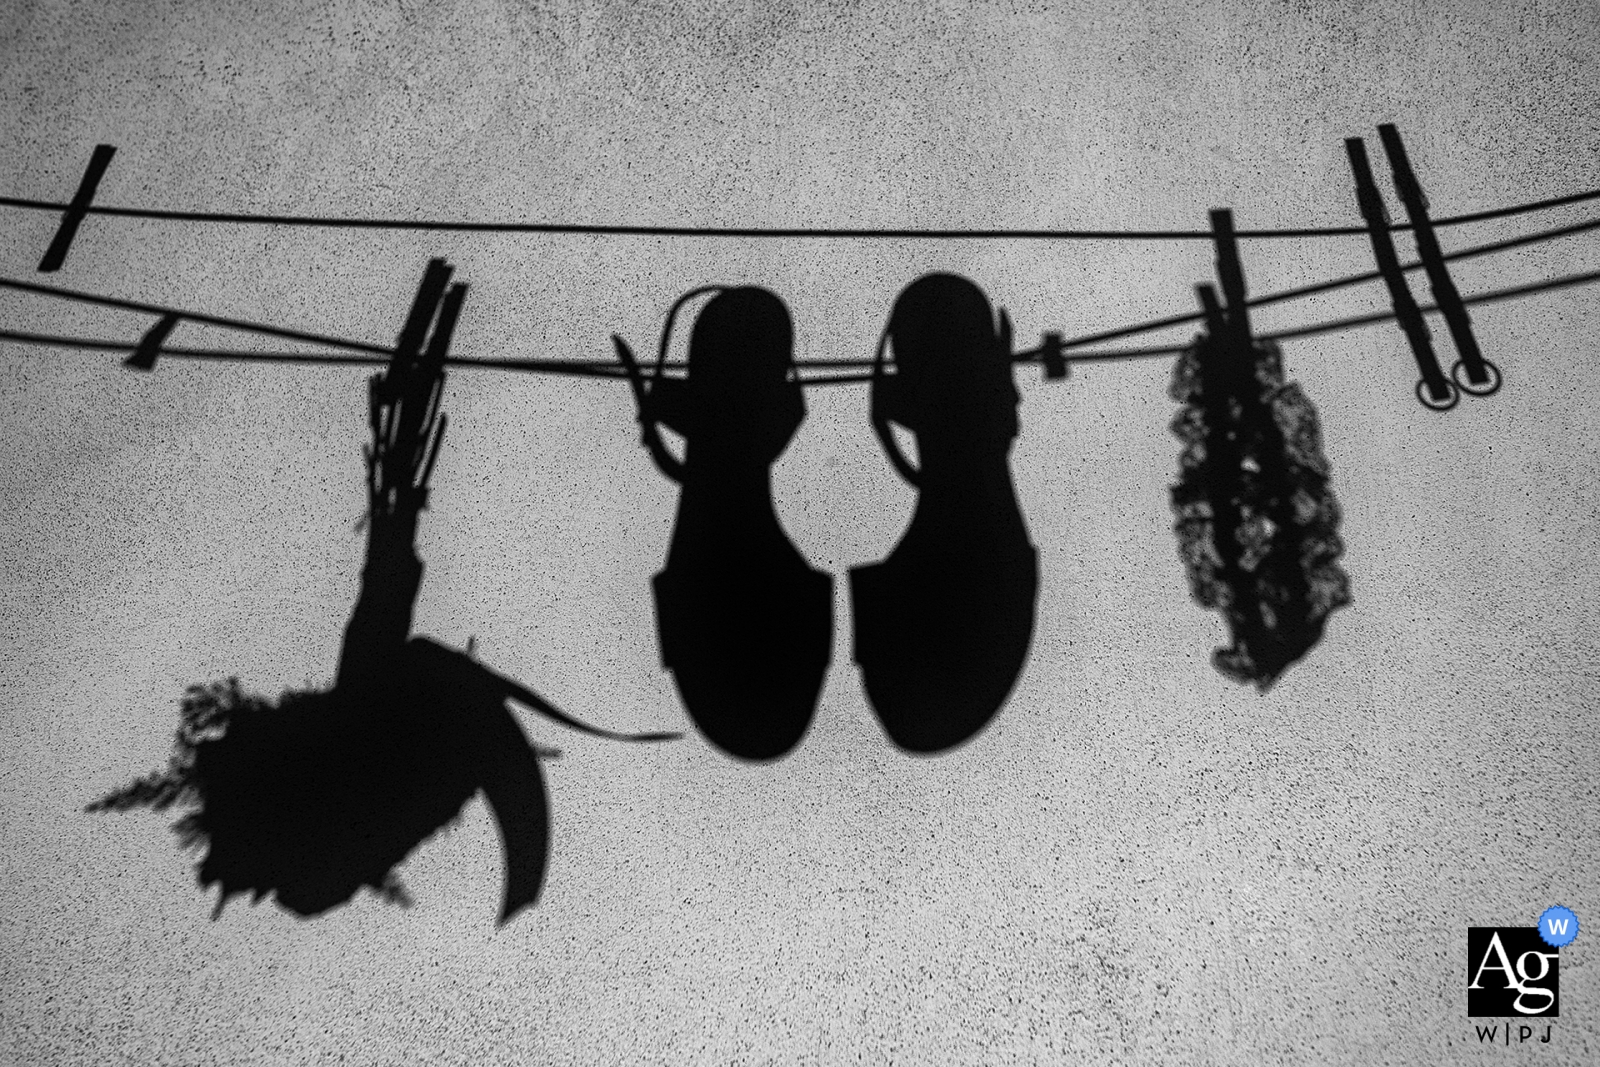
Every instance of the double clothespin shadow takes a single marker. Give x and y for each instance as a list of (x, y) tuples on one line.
[(1472, 373), (405, 398)]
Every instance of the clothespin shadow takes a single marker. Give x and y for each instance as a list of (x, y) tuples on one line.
[(1053, 356), (1474, 374), (313, 796), (1435, 391), (149, 347), (1221, 365), (72, 218), (1211, 307), (1255, 517), (1230, 272)]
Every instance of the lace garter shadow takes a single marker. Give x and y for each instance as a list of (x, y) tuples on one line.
[(1256, 519)]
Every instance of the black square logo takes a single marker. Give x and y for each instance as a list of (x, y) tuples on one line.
[(1511, 971)]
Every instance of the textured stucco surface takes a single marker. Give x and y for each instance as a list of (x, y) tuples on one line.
[(1138, 863)]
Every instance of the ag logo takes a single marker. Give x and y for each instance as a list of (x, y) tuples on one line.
[(1511, 971)]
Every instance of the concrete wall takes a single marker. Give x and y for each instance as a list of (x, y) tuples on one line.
[(1138, 863)]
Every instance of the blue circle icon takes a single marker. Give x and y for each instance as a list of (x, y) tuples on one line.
[(1558, 926)]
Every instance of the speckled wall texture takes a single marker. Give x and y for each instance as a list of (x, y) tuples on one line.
[(1139, 862)]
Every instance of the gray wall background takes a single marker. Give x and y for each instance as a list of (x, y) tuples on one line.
[(1138, 863)]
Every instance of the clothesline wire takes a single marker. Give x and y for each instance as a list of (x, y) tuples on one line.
[(193, 316), (787, 233), (1330, 326), (1510, 293), (612, 371), (546, 366), (1338, 283)]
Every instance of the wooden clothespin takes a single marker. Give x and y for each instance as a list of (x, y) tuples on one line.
[(149, 347), (1482, 376), (56, 254), (1434, 390)]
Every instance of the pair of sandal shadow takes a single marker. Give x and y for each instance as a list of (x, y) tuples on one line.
[(942, 626)]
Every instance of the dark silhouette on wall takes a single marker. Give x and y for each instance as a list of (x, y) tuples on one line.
[(745, 625), (942, 627), (328, 791), (1257, 521)]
